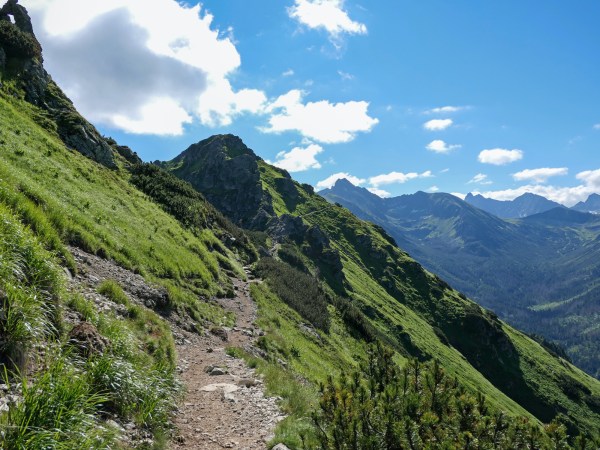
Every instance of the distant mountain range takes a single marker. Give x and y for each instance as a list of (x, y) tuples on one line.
[(527, 205), (540, 272), (522, 206)]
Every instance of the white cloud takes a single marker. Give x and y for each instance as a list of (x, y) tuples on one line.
[(445, 110), (379, 192), (151, 118), (321, 121), (591, 178), (397, 177), (330, 180), (459, 195), (437, 124), (499, 156), (480, 178), (433, 189), (345, 76), (540, 175), (566, 195), (597, 126), (299, 158), (439, 146), (288, 73), (325, 14), (118, 59)]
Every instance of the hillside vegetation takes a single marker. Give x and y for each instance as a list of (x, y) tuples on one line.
[(539, 273), (336, 291), (379, 292)]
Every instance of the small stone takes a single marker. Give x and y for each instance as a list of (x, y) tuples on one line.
[(218, 371), (247, 382)]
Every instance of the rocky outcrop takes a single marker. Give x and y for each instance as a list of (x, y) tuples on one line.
[(226, 172), (86, 339), (21, 60)]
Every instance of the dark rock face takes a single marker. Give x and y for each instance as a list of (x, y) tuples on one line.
[(22, 20), (226, 172), (128, 154), (21, 60), (86, 339)]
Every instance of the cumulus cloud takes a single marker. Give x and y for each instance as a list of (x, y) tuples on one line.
[(445, 110), (328, 15), (566, 195), (540, 175), (142, 69), (320, 121), (439, 146), (397, 177), (299, 159), (480, 178), (437, 124), (288, 73), (591, 178), (379, 192), (499, 156), (433, 189), (330, 180)]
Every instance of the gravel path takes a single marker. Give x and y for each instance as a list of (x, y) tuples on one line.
[(224, 405)]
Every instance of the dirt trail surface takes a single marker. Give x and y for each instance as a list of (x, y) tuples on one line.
[(224, 405)]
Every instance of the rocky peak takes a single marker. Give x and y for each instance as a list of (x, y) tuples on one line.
[(21, 61), (226, 171), (19, 15)]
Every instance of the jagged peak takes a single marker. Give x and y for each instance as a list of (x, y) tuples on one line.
[(228, 145), (20, 15)]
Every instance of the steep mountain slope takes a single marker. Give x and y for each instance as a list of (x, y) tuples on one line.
[(82, 365), (390, 294), (96, 362), (526, 270), (522, 206)]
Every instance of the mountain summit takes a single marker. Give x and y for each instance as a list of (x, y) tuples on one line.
[(522, 206)]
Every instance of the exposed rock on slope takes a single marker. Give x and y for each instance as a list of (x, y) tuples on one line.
[(226, 172), (21, 61)]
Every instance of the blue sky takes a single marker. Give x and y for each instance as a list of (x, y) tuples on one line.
[(492, 97)]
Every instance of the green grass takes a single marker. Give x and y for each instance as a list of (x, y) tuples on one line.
[(422, 317), (113, 291), (68, 199)]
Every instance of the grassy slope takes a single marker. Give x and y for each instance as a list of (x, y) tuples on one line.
[(96, 208), (542, 374)]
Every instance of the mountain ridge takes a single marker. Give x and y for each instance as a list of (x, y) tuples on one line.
[(511, 266), (522, 206), (331, 287)]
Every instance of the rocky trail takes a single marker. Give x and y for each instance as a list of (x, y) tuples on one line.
[(224, 403)]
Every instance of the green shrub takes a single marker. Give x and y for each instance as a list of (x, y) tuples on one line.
[(17, 43), (384, 407), (300, 291)]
